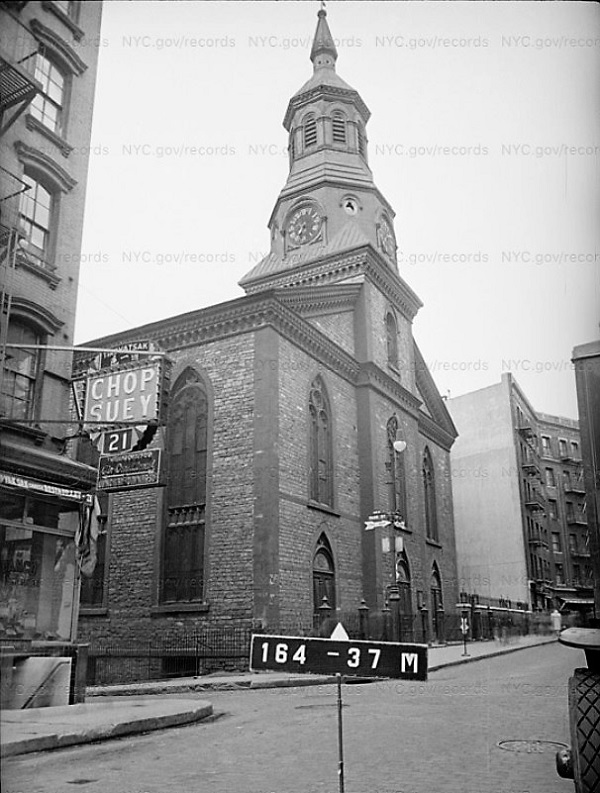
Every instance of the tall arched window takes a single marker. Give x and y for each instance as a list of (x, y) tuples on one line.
[(321, 449), (431, 527), (47, 106), (323, 574), (405, 611), (395, 466), (338, 122), (187, 440), (310, 130), (391, 334)]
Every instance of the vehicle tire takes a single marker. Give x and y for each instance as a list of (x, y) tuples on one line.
[(584, 718)]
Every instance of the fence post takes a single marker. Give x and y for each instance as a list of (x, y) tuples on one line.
[(363, 619)]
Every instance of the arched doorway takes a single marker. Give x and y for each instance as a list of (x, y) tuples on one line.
[(323, 575), (405, 610), (437, 604)]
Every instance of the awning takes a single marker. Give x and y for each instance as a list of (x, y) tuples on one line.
[(577, 603)]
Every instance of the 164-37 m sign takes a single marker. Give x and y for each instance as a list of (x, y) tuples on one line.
[(330, 656)]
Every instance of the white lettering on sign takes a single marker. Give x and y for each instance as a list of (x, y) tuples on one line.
[(129, 395), (409, 659)]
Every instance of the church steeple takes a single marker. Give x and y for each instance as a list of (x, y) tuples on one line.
[(323, 53), (329, 203)]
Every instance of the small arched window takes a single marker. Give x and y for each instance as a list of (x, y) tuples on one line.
[(310, 130), (323, 574), (47, 106), (339, 127), (431, 527), (391, 332), (397, 475), (321, 448)]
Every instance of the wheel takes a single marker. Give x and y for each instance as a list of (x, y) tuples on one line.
[(584, 718)]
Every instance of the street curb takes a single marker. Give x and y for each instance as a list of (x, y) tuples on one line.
[(471, 658), (134, 690), (40, 743)]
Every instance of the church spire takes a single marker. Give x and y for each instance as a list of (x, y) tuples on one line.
[(323, 53)]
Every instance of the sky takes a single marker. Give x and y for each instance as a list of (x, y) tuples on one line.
[(484, 137)]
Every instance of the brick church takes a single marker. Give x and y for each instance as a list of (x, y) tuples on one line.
[(295, 412)]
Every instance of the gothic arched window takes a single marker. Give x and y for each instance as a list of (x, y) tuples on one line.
[(310, 130), (338, 123), (323, 574), (391, 335), (437, 603), (185, 495), (396, 471), (321, 446), (431, 527)]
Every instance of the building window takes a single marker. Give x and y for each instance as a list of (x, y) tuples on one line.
[(575, 449), (550, 478), (310, 130), (323, 575), (562, 447), (576, 574), (566, 477), (47, 107), (546, 446), (556, 544), (321, 447), (552, 508), (184, 535), (35, 217), (560, 574), (391, 334), (339, 127), (21, 371), (396, 471), (431, 526), (573, 543), (570, 510)]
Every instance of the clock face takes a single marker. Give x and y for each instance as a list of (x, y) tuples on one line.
[(304, 225), (386, 237)]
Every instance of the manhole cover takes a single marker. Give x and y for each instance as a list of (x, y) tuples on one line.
[(532, 747)]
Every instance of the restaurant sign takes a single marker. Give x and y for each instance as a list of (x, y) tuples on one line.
[(129, 470)]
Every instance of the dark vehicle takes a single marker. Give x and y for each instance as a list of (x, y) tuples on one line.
[(582, 761)]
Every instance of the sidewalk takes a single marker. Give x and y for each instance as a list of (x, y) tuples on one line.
[(39, 729)]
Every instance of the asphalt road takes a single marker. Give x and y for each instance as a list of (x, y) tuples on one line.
[(442, 736)]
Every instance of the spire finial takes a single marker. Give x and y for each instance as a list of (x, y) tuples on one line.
[(323, 53)]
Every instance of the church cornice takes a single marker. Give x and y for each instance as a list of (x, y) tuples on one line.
[(327, 92), (343, 266), (244, 315), (440, 416), (372, 376), (308, 301), (432, 430)]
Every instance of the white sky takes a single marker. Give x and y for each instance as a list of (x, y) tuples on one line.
[(502, 248)]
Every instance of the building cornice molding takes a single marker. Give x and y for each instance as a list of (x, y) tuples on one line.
[(327, 92), (440, 415), (37, 159), (64, 18), (372, 376), (41, 315), (432, 430), (59, 47), (244, 315), (308, 301)]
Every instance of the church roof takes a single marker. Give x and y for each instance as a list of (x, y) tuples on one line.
[(324, 77), (348, 238)]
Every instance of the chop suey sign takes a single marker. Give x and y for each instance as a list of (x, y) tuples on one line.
[(129, 395)]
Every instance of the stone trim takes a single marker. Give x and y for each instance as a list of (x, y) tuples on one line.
[(372, 376), (31, 122), (436, 433), (37, 159), (308, 302), (59, 47), (324, 91), (42, 316), (64, 18)]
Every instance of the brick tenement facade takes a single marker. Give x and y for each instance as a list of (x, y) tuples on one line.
[(302, 385)]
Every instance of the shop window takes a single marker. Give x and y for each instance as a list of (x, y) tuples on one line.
[(184, 534), (321, 447), (21, 372)]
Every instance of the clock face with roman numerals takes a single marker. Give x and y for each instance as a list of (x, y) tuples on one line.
[(304, 225)]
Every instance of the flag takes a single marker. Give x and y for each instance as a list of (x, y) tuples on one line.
[(86, 537)]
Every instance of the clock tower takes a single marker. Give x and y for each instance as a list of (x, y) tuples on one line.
[(330, 203)]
